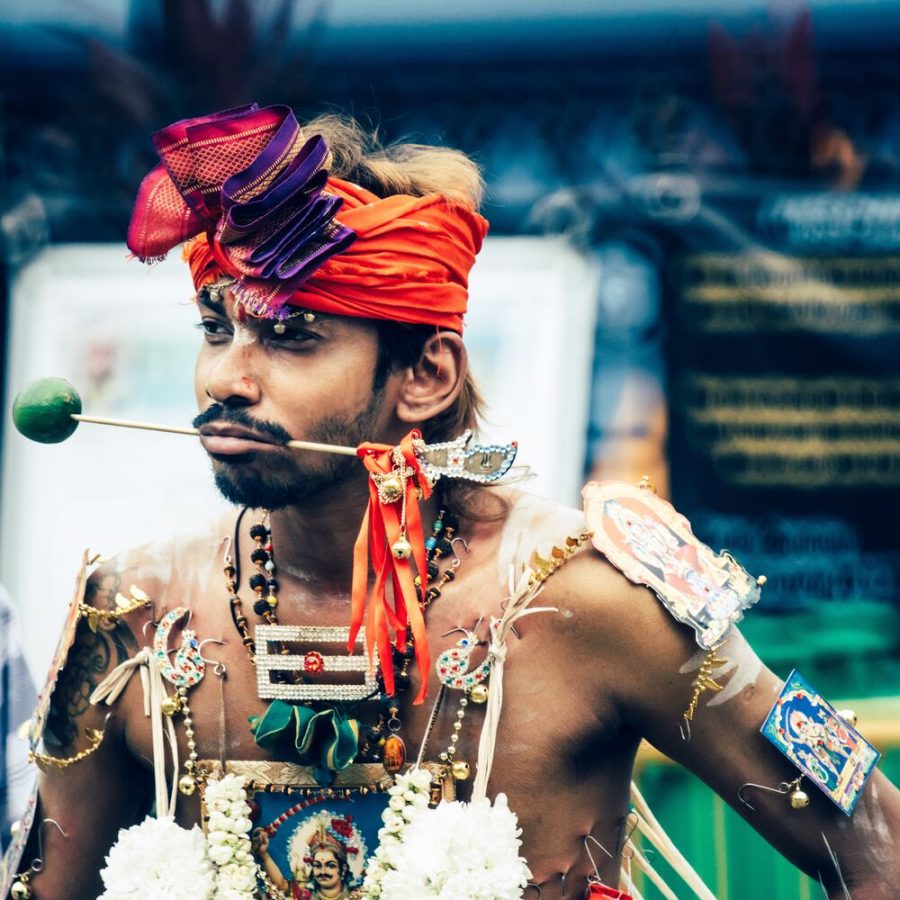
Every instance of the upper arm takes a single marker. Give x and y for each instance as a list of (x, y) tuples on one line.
[(93, 798), (657, 661)]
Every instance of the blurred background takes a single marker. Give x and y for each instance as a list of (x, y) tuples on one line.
[(693, 273)]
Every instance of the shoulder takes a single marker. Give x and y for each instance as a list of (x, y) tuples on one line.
[(179, 564), (121, 596), (590, 591), (590, 587), (530, 524)]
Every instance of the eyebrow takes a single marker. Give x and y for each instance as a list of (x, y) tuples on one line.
[(216, 306)]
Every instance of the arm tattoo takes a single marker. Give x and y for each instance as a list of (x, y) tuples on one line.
[(92, 656)]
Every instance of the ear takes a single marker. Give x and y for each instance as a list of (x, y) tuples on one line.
[(435, 381)]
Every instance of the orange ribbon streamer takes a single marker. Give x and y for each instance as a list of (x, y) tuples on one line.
[(382, 527)]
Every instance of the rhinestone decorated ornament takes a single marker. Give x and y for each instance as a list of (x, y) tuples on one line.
[(453, 664), (461, 459), (189, 666)]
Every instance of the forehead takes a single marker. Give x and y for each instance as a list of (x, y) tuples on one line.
[(224, 304)]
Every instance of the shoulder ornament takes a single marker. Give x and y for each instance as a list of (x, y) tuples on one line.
[(653, 545)]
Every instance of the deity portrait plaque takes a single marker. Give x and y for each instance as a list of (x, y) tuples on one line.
[(653, 545), (312, 841), (807, 729)]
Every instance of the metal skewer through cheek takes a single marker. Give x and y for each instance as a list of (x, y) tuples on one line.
[(49, 411), (173, 429)]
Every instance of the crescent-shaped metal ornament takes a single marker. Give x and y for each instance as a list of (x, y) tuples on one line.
[(189, 666)]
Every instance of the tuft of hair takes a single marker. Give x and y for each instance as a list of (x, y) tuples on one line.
[(399, 168)]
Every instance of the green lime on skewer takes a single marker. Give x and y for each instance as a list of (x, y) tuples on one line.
[(43, 410)]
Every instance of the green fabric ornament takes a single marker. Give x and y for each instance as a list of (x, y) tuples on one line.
[(326, 739)]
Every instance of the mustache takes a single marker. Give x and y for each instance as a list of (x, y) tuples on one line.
[(219, 413)]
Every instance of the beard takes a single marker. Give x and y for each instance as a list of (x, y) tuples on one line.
[(267, 480)]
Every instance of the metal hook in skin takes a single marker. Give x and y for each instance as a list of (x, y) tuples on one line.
[(590, 837), (631, 823), (457, 562), (152, 622), (537, 887), (218, 641), (227, 540), (37, 864), (782, 789), (218, 666), (453, 630), (471, 631)]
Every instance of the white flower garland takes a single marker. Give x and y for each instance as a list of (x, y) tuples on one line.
[(161, 859), (227, 837), (457, 850), (158, 858)]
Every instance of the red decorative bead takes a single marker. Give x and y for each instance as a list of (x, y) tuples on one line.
[(313, 662)]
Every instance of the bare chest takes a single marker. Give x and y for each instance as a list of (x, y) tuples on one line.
[(559, 755)]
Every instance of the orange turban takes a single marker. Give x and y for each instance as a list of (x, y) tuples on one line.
[(410, 261)]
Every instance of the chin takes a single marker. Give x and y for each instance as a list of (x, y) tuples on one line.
[(246, 485), (250, 489)]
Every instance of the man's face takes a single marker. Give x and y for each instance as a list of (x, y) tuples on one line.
[(326, 870), (257, 389)]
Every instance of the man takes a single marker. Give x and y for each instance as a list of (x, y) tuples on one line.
[(331, 312), (323, 868)]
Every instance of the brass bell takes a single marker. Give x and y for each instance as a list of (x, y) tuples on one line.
[(479, 693), (16, 827), (460, 770), (20, 890), (170, 706), (799, 799), (187, 785), (390, 489), (761, 580), (401, 548), (848, 715)]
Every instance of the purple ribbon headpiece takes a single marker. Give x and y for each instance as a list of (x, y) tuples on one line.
[(248, 180)]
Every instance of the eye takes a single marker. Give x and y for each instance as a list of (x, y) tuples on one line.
[(215, 331), (292, 338)]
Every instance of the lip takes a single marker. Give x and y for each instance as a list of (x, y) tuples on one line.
[(231, 440)]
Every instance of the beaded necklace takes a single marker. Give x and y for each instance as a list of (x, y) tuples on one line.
[(438, 546), (381, 742)]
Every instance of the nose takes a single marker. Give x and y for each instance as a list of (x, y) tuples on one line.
[(233, 378)]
